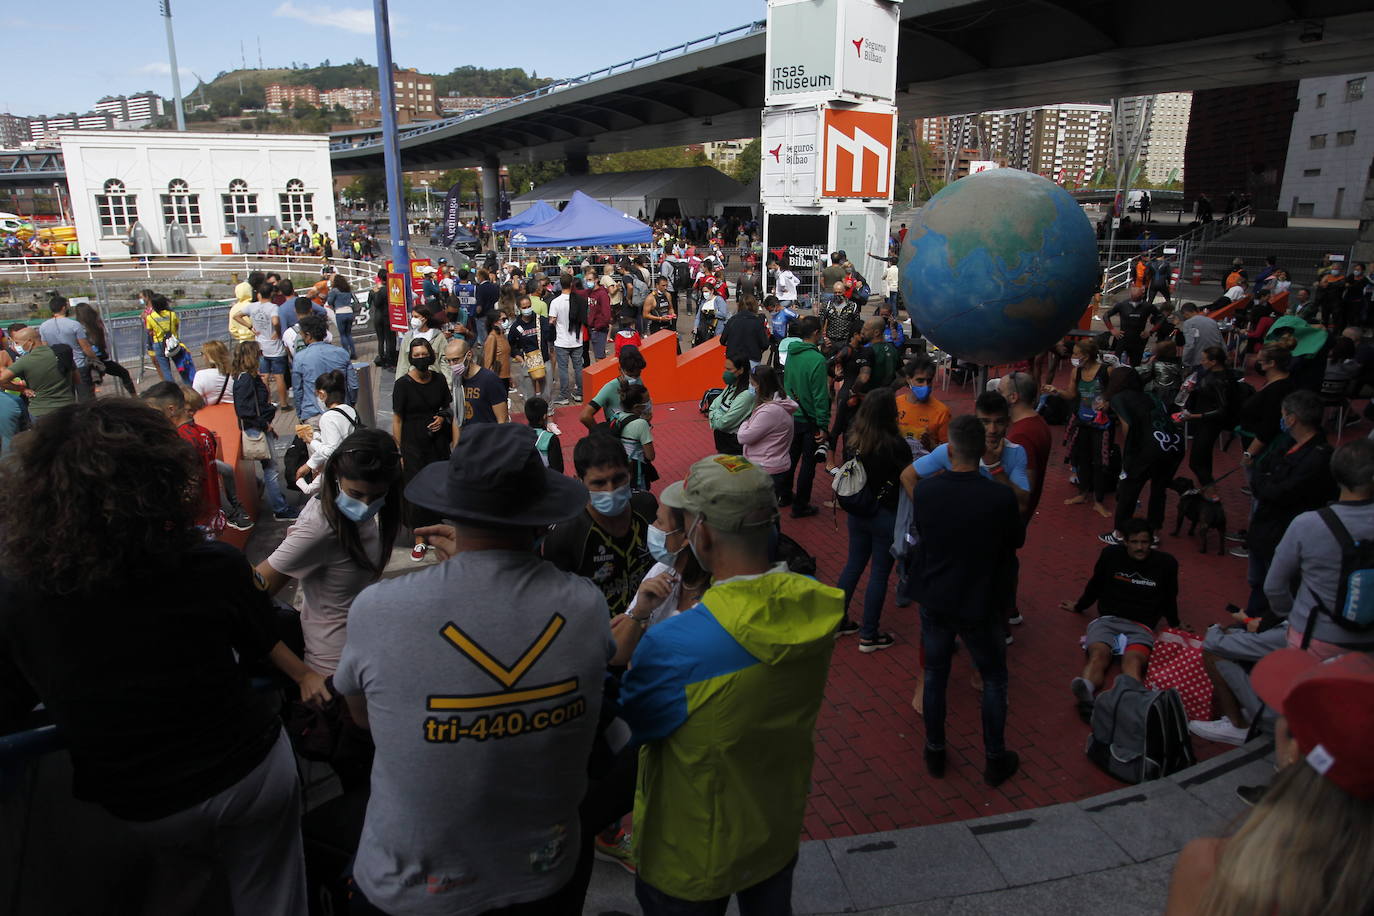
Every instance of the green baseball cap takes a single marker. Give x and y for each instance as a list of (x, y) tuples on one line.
[(729, 491)]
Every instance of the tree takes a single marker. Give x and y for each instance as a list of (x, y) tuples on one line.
[(523, 176), (749, 162), (664, 157), (465, 178)]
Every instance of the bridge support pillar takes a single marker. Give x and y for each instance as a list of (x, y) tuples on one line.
[(575, 163), (491, 188)]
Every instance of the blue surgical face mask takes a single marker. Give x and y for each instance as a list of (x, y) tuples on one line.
[(658, 546), (611, 502), (1284, 425), (355, 509), (920, 391)]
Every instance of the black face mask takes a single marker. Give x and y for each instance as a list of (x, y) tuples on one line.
[(422, 362)]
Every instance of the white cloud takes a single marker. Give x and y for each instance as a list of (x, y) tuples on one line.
[(162, 68), (350, 20)]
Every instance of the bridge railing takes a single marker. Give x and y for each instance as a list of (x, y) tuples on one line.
[(743, 31), (1117, 275), (176, 267)]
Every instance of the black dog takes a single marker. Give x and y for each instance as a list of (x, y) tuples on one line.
[(1199, 511)]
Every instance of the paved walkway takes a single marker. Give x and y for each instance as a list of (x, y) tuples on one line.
[(1111, 853)]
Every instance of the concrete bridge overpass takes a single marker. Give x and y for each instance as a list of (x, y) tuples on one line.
[(954, 56)]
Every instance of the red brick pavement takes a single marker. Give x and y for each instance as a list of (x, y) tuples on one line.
[(868, 773)]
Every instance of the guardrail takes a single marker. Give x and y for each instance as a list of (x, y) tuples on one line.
[(1117, 277), (735, 34), (176, 266)]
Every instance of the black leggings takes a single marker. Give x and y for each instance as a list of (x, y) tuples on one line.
[(1158, 474), (1205, 433), (1088, 461), (115, 369)]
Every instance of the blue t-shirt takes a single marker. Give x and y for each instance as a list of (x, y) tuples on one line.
[(779, 321), (1014, 462)]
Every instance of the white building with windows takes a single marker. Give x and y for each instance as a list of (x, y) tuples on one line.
[(203, 182), (1330, 147)]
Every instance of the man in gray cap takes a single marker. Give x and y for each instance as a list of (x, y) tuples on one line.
[(481, 680), (723, 697)]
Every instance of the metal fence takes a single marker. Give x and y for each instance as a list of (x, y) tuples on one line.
[(175, 267)]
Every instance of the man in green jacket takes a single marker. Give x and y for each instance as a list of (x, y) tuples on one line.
[(723, 699), (806, 383)]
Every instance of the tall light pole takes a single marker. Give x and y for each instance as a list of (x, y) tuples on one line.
[(391, 151), (165, 6)]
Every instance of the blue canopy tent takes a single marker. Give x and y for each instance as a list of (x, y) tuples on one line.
[(540, 212), (584, 223)]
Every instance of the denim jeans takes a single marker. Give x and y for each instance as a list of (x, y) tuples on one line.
[(770, 897), (986, 644), (346, 335), (11, 413), (164, 365), (271, 478), (599, 344), (479, 325), (567, 383), (869, 538)]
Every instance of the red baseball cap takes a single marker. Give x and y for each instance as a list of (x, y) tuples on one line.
[(1329, 706)]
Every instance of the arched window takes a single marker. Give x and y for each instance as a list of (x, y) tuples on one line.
[(238, 202), (297, 203), (179, 205), (116, 209)]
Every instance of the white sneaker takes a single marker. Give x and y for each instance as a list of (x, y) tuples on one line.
[(1016, 621), (1222, 730)]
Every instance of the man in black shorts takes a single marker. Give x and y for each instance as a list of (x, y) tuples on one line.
[(1133, 586)]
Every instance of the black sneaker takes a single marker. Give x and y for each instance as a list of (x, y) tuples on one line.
[(1001, 768), (805, 511), (881, 641), (847, 627), (1237, 536), (1251, 794), (935, 761), (784, 501), (1110, 539)]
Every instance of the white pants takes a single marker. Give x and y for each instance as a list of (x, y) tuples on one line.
[(250, 833)]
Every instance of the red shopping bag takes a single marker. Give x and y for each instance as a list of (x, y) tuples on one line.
[(1176, 662)]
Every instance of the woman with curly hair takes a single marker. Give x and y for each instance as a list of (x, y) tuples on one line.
[(134, 631)]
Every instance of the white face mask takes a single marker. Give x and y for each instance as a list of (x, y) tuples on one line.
[(1075, 362), (416, 324)]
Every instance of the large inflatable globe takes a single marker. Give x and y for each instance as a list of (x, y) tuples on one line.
[(999, 266)]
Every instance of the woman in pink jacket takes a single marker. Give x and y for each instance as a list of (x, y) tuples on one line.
[(766, 435)]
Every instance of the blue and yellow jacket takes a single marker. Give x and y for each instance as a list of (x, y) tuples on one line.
[(724, 697)]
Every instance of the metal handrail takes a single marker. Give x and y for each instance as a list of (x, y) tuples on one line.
[(1117, 277), (735, 34), (71, 266)]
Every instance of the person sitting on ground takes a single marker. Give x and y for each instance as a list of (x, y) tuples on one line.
[(1304, 849), (626, 335), (1303, 585), (546, 433), (1133, 586), (235, 516), (188, 768)]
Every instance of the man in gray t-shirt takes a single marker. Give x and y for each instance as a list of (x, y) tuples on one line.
[(61, 328), (1199, 333), (481, 679)]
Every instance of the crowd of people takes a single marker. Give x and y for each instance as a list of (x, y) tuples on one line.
[(609, 672)]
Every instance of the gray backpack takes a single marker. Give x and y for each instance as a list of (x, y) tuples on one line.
[(1139, 733)]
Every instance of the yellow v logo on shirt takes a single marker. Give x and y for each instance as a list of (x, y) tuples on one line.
[(507, 677)]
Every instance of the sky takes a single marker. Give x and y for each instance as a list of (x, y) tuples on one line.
[(97, 47)]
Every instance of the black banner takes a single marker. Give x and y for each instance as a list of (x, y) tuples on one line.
[(452, 203)]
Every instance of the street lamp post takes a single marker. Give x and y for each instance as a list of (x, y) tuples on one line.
[(61, 210)]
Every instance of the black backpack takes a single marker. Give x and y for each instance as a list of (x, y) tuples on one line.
[(682, 277), (1139, 733), (795, 556)]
